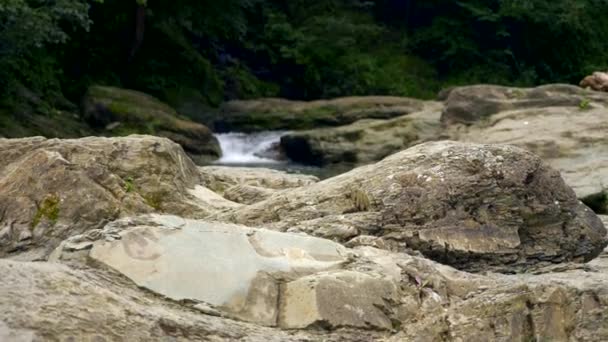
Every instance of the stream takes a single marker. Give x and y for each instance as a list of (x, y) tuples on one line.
[(262, 150)]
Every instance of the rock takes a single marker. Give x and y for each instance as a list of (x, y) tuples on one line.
[(163, 254), (476, 207), (597, 81), (248, 182), (367, 294), (377, 295), (247, 194), (51, 189), (568, 137), (53, 302), (280, 114), (364, 141), (122, 112), (337, 299), (470, 104)]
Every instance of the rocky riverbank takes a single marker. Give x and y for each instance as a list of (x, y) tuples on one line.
[(123, 239), (565, 125)]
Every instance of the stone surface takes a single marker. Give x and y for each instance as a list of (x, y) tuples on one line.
[(422, 299), (53, 302), (281, 114), (597, 81), (169, 278), (470, 104), (247, 194), (569, 137), (233, 269), (476, 207), (364, 141), (51, 189), (118, 111), (336, 299), (219, 178)]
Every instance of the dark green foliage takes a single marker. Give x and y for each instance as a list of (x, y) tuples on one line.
[(196, 54)]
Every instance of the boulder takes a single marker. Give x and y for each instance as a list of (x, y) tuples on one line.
[(280, 114), (566, 134), (470, 104), (364, 141), (116, 111), (51, 189), (597, 81), (219, 178), (476, 207)]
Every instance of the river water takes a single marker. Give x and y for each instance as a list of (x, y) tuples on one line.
[(262, 150)]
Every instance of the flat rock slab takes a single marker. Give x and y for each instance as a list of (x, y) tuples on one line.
[(230, 268)]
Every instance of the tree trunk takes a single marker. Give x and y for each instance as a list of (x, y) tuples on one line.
[(140, 26)]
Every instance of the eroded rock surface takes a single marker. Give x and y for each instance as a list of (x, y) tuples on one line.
[(566, 126), (281, 114), (51, 189), (232, 268), (249, 185), (121, 112), (160, 277), (364, 141), (473, 103), (472, 206)]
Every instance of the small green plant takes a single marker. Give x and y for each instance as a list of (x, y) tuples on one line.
[(129, 186), (584, 104), (49, 209)]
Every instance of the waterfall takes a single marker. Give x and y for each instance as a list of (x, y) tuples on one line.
[(254, 148)]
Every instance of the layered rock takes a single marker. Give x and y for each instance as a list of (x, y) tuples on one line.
[(471, 104), (118, 111), (65, 304), (163, 277), (364, 141), (51, 189), (281, 114), (248, 185), (375, 295), (565, 126), (476, 207), (255, 275)]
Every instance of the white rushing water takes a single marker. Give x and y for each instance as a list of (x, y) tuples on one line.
[(242, 148)]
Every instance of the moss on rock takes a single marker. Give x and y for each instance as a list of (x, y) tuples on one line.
[(115, 111), (281, 114)]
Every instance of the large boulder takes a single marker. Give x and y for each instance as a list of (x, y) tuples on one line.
[(476, 207), (280, 114), (364, 141), (51, 188), (116, 111), (565, 126)]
